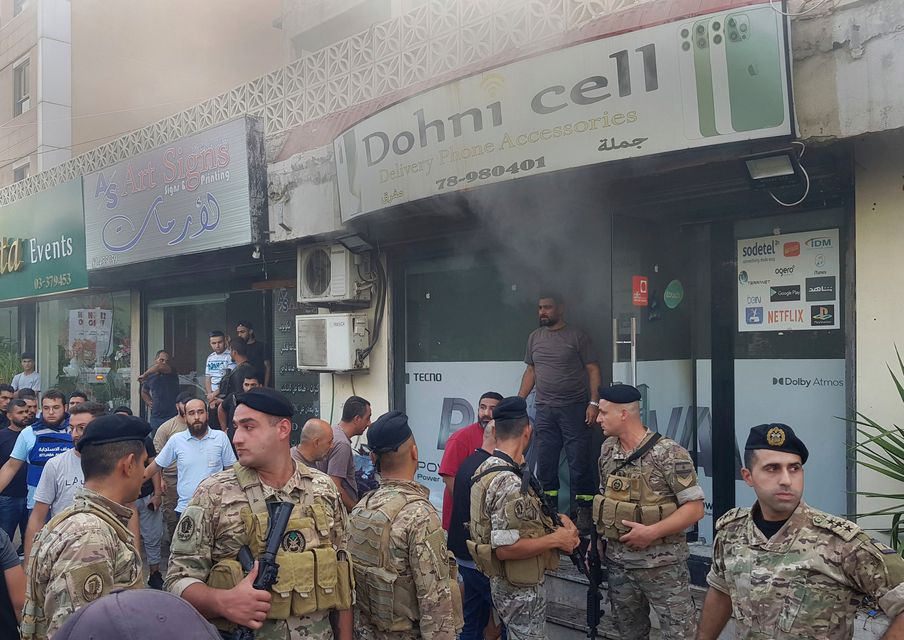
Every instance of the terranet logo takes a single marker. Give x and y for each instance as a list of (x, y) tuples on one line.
[(754, 315), (791, 249), (818, 243), (743, 278), (822, 315), (787, 293), (820, 289)]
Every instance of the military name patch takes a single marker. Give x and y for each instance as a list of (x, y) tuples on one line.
[(882, 547), (775, 437), (93, 587), (293, 541), (185, 529)]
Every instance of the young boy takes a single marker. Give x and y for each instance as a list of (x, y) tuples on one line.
[(29, 378), (218, 363)]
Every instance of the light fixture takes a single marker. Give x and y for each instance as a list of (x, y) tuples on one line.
[(355, 243), (256, 252), (774, 169)]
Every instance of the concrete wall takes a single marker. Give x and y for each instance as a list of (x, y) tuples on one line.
[(135, 62), (879, 185), (18, 135)]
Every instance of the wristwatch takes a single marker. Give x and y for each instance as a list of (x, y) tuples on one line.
[(595, 404)]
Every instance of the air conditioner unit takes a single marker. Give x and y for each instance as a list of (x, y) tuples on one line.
[(329, 274), (331, 341)]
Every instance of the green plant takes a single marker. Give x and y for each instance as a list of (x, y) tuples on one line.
[(882, 450)]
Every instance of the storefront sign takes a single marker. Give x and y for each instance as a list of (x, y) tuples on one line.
[(640, 291), (42, 244), (190, 196), (441, 398), (673, 294), (716, 78), (789, 282)]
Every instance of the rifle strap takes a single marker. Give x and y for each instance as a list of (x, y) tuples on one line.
[(640, 452)]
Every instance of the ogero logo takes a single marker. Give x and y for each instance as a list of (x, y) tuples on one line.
[(784, 271)]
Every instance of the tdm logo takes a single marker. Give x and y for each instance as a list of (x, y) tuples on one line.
[(818, 243)]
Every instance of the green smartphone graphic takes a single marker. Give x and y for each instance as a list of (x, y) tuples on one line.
[(703, 71), (755, 80)]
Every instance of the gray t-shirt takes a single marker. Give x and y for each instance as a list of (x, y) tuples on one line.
[(559, 358), (61, 479), (340, 461)]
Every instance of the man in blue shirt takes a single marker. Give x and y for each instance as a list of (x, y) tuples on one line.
[(159, 388), (198, 453), (47, 437)]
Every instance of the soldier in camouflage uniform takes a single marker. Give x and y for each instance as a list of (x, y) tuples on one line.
[(405, 578), (648, 496), (787, 570), (512, 541), (229, 511), (87, 550)]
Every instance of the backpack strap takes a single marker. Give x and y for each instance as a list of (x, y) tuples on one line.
[(639, 453)]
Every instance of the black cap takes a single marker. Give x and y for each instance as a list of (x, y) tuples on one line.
[(137, 614), (620, 394), (184, 397), (114, 428), (510, 408), (388, 432), (776, 437), (267, 400)]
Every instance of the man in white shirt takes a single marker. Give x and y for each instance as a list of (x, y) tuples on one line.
[(62, 476), (198, 453), (29, 378)]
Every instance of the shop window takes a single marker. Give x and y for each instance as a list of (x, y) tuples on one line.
[(21, 87), (9, 343), (19, 6), (21, 172), (85, 343)]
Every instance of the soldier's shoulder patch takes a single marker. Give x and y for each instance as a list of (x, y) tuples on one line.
[(883, 548), (844, 529), (730, 516)]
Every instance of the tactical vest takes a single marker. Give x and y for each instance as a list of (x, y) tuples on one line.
[(389, 598), (48, 443), (312, 575), (630, 496), (530, 521), (34, 620)]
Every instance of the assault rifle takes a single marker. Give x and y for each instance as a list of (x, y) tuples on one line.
[(551, 512), (595, 579), (267, 569)]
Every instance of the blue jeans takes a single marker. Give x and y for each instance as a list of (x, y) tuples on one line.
[(13, 513), (476, 605)]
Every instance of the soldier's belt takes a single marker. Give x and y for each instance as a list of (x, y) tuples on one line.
[(526, 572)]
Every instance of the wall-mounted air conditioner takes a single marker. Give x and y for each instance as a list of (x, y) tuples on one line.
[(331, 341), (331, 274)]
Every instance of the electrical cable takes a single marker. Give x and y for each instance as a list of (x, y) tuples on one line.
[(801, 13), (803, 149)]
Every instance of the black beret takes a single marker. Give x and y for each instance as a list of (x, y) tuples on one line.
[(776, 437), (266, 400), (388, 432), (510, 408), (620, 394), (114, 428)]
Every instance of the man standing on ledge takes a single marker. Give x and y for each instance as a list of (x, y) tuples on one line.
[(787, 570), (562, 365), (649, 497)]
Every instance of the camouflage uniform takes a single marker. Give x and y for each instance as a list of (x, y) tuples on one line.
[(80, 555), (807, 580), (522, 609), (656, 576), (416, 550), (213, 528)]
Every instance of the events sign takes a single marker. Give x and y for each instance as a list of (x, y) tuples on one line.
[(711, 79), (42, 244), (789, 282), (441, 398), (197, 194)]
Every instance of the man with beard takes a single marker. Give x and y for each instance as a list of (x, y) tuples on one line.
[(170, 475), (563, 367), (13, 512), (62, 477), (6, 394), (31, 399), (198, 452), (47, 437), (460, 445)]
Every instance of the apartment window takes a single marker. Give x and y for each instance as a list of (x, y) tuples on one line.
[(21, 172), (19, 6), (21, 88)]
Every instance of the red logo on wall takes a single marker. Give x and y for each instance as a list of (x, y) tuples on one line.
[(640, 287), (791, 249)]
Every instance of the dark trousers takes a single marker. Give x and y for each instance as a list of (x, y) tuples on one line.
[(477, 604), (554, 428), (13, 515)]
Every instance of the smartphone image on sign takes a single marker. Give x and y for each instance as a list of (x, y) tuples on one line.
[(756, 83), (719, 63), (696, 80)]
